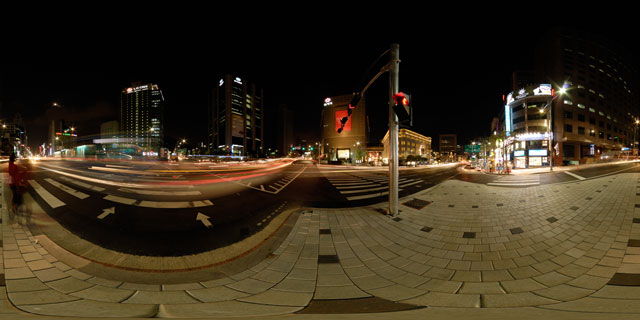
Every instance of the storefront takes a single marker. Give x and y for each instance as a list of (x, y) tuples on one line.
[(520, 159), (537, 157)]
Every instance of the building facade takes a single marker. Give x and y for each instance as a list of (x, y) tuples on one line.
[(236, 118), (142, 117), (350, 144), (594, 108), (410, 143)]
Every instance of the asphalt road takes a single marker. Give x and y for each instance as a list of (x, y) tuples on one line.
[(171, 209)]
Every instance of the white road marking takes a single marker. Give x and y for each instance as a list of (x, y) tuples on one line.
[(364, 190), (82, 184), (159, 204), (204, 219), (574, 175), (162, 193), (409, 184), (106, 212), (73, 192), (52, 201), (356, 186), (367, 196)]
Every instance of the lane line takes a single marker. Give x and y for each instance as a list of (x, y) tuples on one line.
[(71, 191), (52, 201)]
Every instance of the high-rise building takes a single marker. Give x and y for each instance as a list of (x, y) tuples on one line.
[(593, 118), (350, 144), (142, 117), (236, 118)]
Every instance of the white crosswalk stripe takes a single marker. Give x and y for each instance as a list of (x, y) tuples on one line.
[(51, 200), (516, 181), (367, 186), (71, 191)]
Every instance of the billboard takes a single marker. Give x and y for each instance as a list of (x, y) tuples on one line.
[(339, 115)]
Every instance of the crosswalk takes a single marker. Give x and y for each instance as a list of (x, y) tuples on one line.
[(366, 186), (46, 190), (516, 181)]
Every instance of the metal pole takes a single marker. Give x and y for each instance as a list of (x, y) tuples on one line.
[(394, 74)]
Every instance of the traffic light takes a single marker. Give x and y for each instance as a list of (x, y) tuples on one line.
[(402, 108)]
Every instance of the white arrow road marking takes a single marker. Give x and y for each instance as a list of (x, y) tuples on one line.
[(204, 219), (106, 212)]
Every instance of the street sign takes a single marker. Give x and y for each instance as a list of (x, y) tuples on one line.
[(472, 148)]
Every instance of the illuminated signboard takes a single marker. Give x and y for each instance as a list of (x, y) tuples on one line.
[(328, 102), (507, 119), (522, 93), (237, 80), (532, 136), (344, 154), (220, 83), (510, 97), (339, 116), (542, 90), (538, 152), (518, 153)]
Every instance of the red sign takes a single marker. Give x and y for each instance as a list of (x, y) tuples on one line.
[(339, 116)]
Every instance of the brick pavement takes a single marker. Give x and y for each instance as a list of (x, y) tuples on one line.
[(539, 251)]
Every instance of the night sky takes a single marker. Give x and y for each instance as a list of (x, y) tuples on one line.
[(457, 76)]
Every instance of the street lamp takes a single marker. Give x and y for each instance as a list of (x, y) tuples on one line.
[(635, 135)]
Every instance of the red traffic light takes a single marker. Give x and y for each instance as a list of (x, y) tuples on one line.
[(401, 98)]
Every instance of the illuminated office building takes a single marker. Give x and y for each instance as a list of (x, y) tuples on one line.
[(141, 117), (593, 119), (236, 118)]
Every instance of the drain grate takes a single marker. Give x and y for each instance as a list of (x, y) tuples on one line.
[(328, 258), (552, 219), (516, 230), (469, 235), (426, 229), (417, 203)]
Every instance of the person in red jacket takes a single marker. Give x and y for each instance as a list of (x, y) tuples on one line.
[(16, 180)]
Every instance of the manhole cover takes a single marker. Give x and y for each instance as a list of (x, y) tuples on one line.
[(417, 203)]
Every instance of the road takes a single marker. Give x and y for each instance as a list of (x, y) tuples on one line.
[(171, 209), (564, 174)]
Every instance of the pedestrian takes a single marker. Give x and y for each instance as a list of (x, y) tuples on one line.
[(17, 186)]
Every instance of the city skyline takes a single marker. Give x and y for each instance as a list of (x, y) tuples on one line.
[(436, 76)]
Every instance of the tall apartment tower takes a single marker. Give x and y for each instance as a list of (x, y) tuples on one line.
[(596, 116), (236, 118), (141, 117)]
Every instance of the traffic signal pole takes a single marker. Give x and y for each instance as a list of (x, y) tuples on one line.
[(394, 75)]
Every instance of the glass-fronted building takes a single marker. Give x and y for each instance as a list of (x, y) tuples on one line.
[(142, 117), (236, 118)]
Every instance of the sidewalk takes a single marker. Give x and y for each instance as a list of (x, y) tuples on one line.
[(457, 249), (559, 168)]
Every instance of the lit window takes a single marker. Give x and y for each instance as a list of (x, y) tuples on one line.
[(592, 109), (581, 106), (568, 102)]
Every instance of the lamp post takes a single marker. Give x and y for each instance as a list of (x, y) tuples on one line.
[(635, 135)]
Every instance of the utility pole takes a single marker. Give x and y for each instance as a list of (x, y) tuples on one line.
[(394, 75)]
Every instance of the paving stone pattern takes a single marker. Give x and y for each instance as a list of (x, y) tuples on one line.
[(560, 252)]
